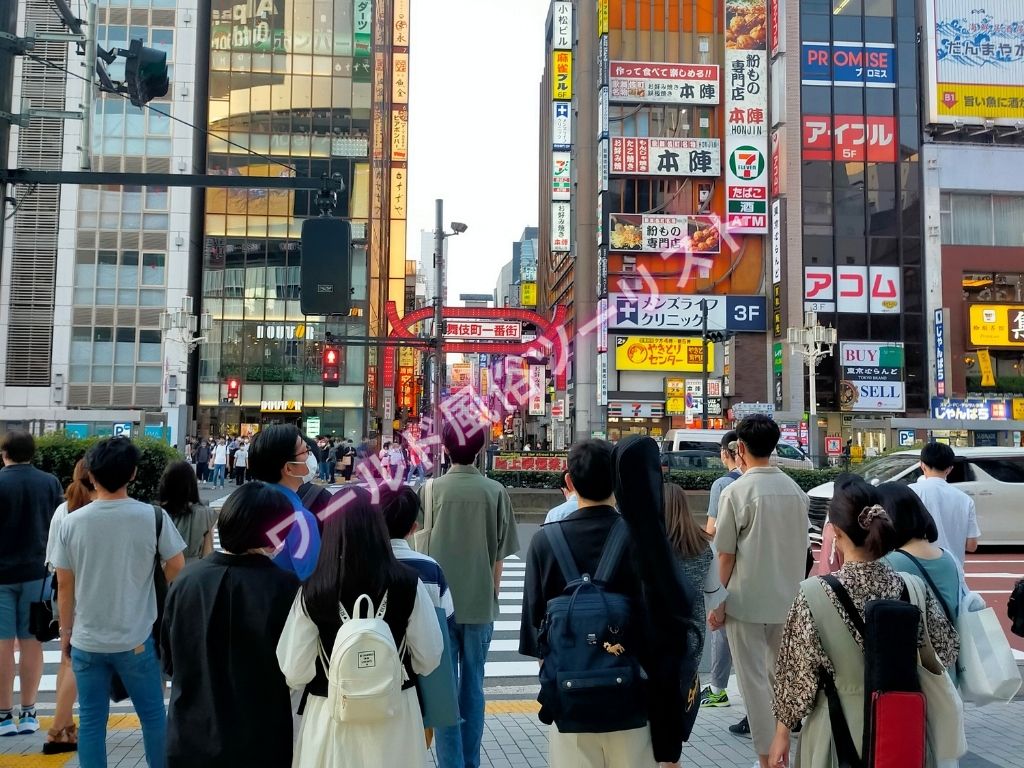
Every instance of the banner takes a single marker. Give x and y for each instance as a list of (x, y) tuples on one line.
[(561, 175), (537, 391), (640, 82), (561, 75), (646, 156), (561, 124), (746, 116), (650, 233), (872, 376), (850, 138), (856, 65), (996, 325), (660, 353)]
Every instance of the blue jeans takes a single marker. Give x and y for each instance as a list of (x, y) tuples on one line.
[(459, 746), (140, 672), (218, 475)]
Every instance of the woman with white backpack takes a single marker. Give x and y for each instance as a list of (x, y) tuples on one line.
[(359, 632)]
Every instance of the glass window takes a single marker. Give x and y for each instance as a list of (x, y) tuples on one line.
[(848, 101), (149, 346), (154, 221), (151, 298), (1008, 218), (153, 268), (878, 101), (885, 252), (815, 28), (851, 250), (106, 271), (846, 26), (147, 374), (123, 374), (878, 8), (817, 175), (878, 30), (81, 346), (156, 198), (101, 374), (972, 220), (1005, 470), (816, 100), (103, 346)]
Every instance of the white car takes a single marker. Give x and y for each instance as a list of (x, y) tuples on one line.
[(710, 440), (993, 477)]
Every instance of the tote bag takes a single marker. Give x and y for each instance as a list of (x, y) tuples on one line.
[(439, 699), (987, 670), (421, 539)]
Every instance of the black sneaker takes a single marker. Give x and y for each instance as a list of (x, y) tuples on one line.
[(742, 728)]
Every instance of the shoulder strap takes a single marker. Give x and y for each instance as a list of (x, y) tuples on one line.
[(614, 546), (931, 584), (428, 505), (563, 555), (847, 602), (310, 495), (846, 751)]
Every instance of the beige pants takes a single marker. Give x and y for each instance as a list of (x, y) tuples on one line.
[(755, 647), (618, 749)]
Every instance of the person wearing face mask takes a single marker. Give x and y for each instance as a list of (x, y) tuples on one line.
[(221, 687), (281, 456)]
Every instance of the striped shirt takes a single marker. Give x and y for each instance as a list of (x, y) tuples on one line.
[(430, 574)]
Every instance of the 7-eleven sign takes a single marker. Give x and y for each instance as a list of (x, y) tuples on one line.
[(747, 163)]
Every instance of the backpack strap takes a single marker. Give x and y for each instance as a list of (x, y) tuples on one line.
[(614, 547), (931, 584), (563, 555), (847, 602), (310, 495)]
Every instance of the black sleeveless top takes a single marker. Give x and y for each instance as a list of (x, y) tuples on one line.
[(401, 599)]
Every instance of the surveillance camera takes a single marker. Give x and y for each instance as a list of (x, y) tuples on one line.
[(458, 227)]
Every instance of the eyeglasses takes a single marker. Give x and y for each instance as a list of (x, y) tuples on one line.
[(301, 456)]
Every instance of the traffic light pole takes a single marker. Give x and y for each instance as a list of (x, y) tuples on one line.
[(439, 361), (704, 361)]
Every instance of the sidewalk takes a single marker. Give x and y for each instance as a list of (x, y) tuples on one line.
[(514, 738)]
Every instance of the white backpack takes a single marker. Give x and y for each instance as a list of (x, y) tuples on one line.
[(365, 672)]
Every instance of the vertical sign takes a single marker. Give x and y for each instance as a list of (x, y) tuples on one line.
[(561, 20), (561, 124), (602, 378), (537, 390), (940, 352), (561, 75), (561, 175), (561, 235), (746, 118), (777, 28), (602, 325)]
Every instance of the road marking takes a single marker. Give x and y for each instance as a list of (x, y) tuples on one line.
[(517, 596), (511, 668), (505, 645)]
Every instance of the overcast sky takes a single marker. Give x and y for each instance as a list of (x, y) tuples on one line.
[(473, 118)]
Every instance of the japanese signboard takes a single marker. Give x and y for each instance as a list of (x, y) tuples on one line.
[(777, 28), (973, 409), (561, 75), (940, 352), (777, 152), (561, 124), (746, 116), (561, 25), (528, 295), (561, 234), (602, 378), (675, 312), (646, 156), (264, 26), (975, 61), (537, 390), (638, 82), (858, 65), (776, 241), (561, 175), (462, 375), (618, 409), (602, 325), (473, 330), (996, 325), (850, 138), (602, 17), (660, 353), (853, 289), (872, 378), (651, 233), (400, 78)]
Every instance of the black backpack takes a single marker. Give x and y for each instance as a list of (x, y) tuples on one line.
[(1015, 609), (591, 680)]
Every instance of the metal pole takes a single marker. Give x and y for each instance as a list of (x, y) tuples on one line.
[(704, 361), (88, 88), (439, 361), (812, 421)]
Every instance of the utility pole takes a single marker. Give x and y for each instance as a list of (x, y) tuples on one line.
[(8, 25), (704, 362), (439, 361)]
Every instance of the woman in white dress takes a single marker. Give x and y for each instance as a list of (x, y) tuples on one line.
[(356, 559)]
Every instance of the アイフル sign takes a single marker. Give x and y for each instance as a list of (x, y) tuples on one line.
[(850, 138)]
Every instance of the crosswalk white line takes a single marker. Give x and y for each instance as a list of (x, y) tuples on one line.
[(511, 668)]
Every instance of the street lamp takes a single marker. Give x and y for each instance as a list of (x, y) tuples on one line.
[(439, 237), (814, 342), (181, 325)]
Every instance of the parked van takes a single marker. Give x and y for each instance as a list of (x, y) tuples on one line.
[(993, 477), (710, 440)]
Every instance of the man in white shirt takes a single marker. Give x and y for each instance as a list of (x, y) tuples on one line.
[(567, 507), (953, 510), (220, 463)]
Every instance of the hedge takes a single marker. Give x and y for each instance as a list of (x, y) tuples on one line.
[(57, 454), (690, 480)]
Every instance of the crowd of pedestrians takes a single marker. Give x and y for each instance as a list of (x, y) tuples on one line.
[(308, 637)]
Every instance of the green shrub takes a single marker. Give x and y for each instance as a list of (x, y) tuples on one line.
[(688, 480), (57, 454)]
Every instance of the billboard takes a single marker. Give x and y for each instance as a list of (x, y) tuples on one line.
[(660, 353), (658, 233), (561, 25), (849, 138), (561, 175), (561, 75), (847, 64), (746, 116), (474, 330), (996, 325), (872, 379), (561, 124), (646, 156), (561, 233), (974, 64), (677, 312), (644, 82), (537, 399), (852, 289)]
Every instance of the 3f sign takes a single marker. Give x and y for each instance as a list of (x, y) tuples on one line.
[(746, 313)]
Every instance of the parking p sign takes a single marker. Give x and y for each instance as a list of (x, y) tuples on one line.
[(123, 430)]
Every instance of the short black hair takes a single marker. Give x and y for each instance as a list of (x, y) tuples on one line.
[(19, 446), (591, 471), (249, 514), (760, 434), (112, 463), (272, 448), (937, 456), (463, 444), (728, 439), (909, 516), (562, 482), (401, 508)]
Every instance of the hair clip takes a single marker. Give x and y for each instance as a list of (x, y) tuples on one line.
[(869, 514)]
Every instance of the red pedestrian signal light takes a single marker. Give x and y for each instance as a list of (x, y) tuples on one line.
[(233, 386), (332, 367)]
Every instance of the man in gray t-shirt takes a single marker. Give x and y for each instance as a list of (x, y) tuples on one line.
[(105, 558)]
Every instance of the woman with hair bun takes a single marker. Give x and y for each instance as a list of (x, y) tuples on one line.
[(819, 635)]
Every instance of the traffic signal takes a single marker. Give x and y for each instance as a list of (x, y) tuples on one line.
[(326, 267), (233, 385), (145, 73), (332, 367)]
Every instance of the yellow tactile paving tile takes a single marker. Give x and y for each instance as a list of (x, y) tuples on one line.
[(523, 707), (33, 761)]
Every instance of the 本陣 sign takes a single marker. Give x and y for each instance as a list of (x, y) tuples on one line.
[(853, 289), (660, 353), (849, 138), (669, 312), (746, 116), (645, 156), (997, 325), (561, 234), (974, 67), (872, 377), (473, 330), (561, 75), (656, 233), (640, 82), (857, 65), (561, 124)]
